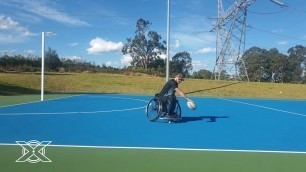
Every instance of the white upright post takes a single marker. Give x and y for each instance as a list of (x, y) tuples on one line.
[(168, 41), (42, 64)]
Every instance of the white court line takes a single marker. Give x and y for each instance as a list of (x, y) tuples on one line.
[(162, 148), (67, 113), (264, 107), (88, 112), (37, 101), (119, 98)]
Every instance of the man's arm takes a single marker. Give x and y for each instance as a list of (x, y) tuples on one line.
[(180, 92)]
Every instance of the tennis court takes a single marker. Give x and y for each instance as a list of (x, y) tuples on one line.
[(110, 132)]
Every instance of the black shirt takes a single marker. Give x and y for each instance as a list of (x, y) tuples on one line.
[(169, 88)]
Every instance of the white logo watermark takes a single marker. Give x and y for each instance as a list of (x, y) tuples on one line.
[(33, 151)]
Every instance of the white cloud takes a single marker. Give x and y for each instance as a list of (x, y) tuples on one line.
[(190, 37), (206, 50), (194, 42), (177, 44), (7, 23), (108, 63), (29, 53), (72, 57), (113, 64), (126, 60), (282, 43), (73, 44), (277, 31), (199, 64), (44, 9), (187, 39), (10, 52), (11, 31), (164, 56), (99, 45)]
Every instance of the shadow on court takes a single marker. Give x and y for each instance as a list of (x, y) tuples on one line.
[(213, 88), (13, 90), (202, 118)]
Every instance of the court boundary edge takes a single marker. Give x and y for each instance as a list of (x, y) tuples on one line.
[(164, 148)]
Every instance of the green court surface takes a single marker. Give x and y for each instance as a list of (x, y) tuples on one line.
[(101, 159)]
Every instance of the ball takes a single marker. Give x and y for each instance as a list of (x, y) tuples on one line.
[(191, 105)]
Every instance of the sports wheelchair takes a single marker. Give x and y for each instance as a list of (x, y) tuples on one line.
[(157, 108)]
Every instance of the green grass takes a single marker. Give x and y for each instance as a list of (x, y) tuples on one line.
[(21, 84), (115, 160)]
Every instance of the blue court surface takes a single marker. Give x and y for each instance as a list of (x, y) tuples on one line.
[(110, 120)]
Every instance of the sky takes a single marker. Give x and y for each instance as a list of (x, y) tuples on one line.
[(95, 30)]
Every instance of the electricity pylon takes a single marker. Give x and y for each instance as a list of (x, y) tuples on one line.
[(230, 31)]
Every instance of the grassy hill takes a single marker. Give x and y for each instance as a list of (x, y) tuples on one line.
[(30, 84)]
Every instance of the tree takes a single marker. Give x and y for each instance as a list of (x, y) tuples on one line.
[(145, 47), (254, 59), (52, 60), (276, 66), (295, 65), (263, 65), (19, 63), (158, 63), (202, 74), (181, 63)]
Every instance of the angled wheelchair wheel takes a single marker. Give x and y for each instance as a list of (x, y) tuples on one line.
[(178, 113), (178, 110), (177, 116), (153, 109)]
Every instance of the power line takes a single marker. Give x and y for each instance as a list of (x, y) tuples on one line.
[(273, 33), (268, 13), (124, 16)]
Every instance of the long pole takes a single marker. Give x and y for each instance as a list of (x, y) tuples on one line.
[(168, 41), (42, 64)]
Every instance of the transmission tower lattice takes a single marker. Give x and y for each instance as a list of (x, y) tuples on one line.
[(230, 31)]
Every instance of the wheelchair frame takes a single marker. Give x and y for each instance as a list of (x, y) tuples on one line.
[(157, 109)]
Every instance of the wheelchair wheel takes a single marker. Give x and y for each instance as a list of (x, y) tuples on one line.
[(177, 117), (153, 109), (178, 110)]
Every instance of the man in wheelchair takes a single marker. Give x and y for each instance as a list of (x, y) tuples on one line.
[(167, 94)]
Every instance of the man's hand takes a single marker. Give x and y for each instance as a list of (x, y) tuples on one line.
[(189, 100)]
